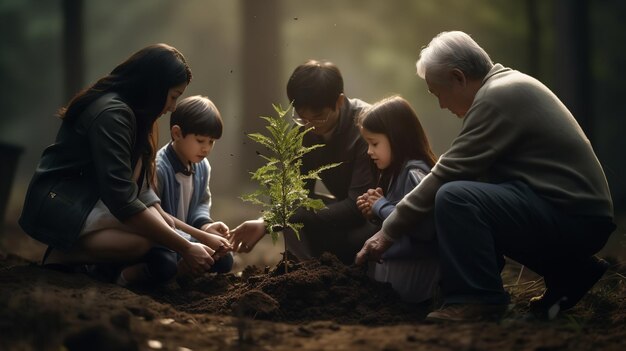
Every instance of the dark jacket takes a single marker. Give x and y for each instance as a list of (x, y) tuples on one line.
[(92, 158), (347, 181)]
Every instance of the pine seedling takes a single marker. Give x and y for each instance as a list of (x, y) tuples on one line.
[(282, 186)]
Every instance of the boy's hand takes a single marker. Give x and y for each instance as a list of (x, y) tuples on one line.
[(197, 258), (216, 242), (218, 228)]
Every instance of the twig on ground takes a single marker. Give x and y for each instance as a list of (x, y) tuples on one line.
[(519, 276)]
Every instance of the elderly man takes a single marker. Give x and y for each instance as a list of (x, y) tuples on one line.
[(521, 179)]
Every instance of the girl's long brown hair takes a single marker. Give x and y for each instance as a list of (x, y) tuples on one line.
[(395, 118)]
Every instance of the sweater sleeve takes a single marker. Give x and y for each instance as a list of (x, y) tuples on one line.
[(484, 136), (201, 214), (412, 208), (149, 197), (384, 207)]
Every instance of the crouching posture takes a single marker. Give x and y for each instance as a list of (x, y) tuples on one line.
[(521, 179), (399, 148)]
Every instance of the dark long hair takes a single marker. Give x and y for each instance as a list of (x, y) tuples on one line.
[(143, 82), (395, 118)]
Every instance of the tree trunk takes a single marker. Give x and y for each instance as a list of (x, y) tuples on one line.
[(260, 78), (73, 51), (572, 68), (534, 39)]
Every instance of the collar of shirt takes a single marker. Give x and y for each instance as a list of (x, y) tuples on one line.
[(178, 166)]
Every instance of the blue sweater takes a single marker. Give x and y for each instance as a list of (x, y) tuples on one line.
[(168, 188), (407, 246)]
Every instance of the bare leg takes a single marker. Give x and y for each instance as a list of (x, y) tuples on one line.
[(105, 246)]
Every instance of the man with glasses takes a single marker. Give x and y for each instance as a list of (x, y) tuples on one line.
[(316, 90)]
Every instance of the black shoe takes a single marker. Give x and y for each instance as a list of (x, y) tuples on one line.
[(104, 272), (566, 295), (61, 267), (467, 313)]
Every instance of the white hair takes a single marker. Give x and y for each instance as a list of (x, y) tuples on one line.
[(453, 50)]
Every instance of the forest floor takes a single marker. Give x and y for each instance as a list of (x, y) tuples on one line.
[(319, 305)]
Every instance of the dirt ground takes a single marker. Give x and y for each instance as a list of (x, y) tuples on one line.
[(319, 305)]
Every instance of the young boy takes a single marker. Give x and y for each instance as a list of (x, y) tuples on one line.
[(183, 174)]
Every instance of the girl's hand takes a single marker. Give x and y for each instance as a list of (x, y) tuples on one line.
[(197, 258), (373, 195), (363, 204), (218, 228)]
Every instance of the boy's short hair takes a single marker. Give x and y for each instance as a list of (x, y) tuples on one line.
[(315, 85), (197, 115)]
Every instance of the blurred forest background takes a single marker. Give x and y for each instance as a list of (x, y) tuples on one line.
[(242, 52)]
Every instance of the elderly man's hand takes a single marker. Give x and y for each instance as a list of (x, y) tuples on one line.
[(374, 248)]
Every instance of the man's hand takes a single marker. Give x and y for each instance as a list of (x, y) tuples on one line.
[(247, 234), (373, 249)]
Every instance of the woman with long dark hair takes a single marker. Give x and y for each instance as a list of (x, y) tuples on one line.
[(91, 198)]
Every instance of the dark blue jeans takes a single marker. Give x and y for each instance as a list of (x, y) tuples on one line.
[(479, 223)]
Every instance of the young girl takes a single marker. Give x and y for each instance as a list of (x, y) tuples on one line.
[(398, 146), (91, 198)]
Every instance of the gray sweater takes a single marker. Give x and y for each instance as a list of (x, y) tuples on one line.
[(516, 129)]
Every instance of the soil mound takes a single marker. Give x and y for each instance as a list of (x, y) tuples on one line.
[(318, 289)]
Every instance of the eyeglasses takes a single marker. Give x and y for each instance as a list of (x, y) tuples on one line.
[(305, 121)]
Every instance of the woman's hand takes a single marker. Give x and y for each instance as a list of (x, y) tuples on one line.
[(247, 235), (218, 228), (169, 219)]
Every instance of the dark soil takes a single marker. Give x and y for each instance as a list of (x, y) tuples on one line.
[(323, 289), (318, 305)]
